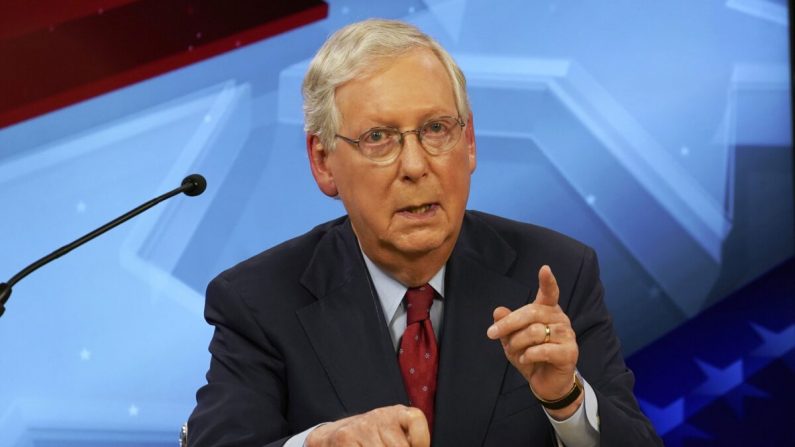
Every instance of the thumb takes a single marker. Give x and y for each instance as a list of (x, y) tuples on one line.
[(500, 313), (415, 426), (548, 292)]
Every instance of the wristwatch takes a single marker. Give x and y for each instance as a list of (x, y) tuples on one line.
[(565, 401)]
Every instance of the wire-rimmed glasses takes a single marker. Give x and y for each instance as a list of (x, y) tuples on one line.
[(383, 144)]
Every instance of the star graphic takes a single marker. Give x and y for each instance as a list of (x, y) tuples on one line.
[(736, 398), (85, 354), (133, 410), (719, 381), (685, 432), (665, 418), (775, 344)]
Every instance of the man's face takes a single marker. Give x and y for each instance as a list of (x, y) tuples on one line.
[(415, 205)]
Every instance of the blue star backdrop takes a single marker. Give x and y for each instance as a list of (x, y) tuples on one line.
[(657, 132)]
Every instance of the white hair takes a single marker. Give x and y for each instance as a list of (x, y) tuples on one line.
[(353, 52)]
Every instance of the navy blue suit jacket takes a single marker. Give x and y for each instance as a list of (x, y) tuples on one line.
[(300, 339)]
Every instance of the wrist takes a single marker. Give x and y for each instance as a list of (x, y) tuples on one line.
[(316, 435), (567, 412), (566, 404)]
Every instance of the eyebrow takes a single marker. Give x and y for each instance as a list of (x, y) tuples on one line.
[(428, 117)]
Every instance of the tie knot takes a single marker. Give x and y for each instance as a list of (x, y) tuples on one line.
[(418, 303)]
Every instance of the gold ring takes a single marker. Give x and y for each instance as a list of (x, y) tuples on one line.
[(547, 333)]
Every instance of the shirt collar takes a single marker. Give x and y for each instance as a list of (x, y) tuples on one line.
[(391, 291)]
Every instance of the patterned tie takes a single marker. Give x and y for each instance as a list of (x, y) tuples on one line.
[(418, 356)]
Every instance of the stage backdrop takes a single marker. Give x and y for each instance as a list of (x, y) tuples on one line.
[(657, 132)]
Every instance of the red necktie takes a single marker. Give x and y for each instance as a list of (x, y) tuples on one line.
[(418, 356)]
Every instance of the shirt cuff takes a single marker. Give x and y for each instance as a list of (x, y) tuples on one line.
[(582, 428), (299, 439)]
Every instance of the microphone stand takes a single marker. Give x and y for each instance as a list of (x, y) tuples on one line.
[(192, 185)]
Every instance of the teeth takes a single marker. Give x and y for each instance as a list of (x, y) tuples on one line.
[(420, 209)]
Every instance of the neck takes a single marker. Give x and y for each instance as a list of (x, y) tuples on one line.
[(411, 270)]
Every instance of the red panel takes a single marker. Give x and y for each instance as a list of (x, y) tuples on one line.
[(19, 17), (91, 55)]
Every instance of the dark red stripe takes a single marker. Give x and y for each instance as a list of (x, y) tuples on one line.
[(92, 55), (20, 17)]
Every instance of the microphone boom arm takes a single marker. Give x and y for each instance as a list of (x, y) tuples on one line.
[(192, 185)]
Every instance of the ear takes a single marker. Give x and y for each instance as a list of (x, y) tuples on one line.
[(320, 169), (469, 133)]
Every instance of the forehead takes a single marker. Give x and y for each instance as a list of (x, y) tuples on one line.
[(399, 90)]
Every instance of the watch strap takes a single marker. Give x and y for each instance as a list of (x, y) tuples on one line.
[(566, 400)]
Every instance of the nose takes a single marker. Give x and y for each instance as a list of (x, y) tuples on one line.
[(413, 157)]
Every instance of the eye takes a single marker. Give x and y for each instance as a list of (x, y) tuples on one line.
[(436, 128), (376, 136)]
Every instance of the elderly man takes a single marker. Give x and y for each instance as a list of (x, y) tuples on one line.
[(393, 325)]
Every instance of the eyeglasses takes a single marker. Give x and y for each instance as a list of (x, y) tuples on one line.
[(383, 144)]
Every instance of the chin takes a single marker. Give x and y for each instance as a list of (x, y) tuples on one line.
[(420, 243)]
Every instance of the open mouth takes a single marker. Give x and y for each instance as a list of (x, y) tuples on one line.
[(419, 209)]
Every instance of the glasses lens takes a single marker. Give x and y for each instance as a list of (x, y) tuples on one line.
[(441, 134), (379, 144)]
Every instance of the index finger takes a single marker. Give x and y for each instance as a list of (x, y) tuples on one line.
[(416, 427), (548, 292)]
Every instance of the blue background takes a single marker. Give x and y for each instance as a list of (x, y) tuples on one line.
[(657, 132)]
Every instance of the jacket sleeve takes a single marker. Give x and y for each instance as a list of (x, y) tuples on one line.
[(621, 423), (244, 400)]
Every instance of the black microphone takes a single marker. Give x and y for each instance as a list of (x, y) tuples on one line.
[(192, 185)]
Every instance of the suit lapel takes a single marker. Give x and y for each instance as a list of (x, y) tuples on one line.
[(349, 334), (472, 367), (346, 327)]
